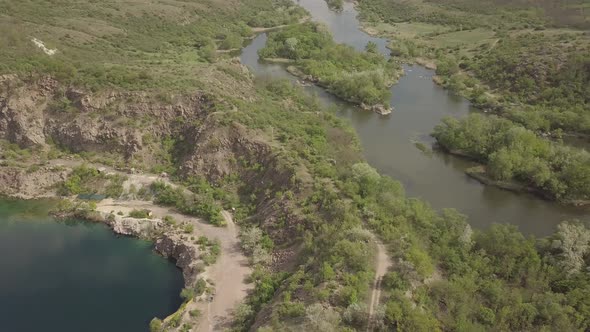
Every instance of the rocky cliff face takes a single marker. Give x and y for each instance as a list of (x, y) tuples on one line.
[(167, 243), (41, 112), (219, 151), (34, 113), (184, 255), (24, 183)]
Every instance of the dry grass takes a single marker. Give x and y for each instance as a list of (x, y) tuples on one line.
[(139, 44)]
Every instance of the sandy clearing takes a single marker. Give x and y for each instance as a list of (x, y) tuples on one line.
[(229, 275)]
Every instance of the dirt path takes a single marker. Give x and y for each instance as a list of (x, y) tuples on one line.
[(229, 275), (229, 272), (383, 263)]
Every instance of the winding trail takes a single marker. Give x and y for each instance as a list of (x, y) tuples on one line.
[(230, 271), (382, 265)]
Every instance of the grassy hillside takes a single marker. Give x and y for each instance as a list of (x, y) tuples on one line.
[(471, 14), (528, 61), (133, 45)]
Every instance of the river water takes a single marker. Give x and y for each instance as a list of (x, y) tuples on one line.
[(389, 142), (77, 276)]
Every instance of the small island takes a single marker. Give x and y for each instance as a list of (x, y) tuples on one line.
[(516, 159), (362, 78)]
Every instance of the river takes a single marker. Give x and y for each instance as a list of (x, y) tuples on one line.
[(78, 276), (389, 142)]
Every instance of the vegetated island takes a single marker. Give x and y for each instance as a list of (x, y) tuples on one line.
[(363, 78), (515, 158)]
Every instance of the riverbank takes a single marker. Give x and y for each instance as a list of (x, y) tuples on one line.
[(258, 30), (479, 173)]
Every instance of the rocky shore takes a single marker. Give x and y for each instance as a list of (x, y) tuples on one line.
[(183, 246), (213, 267), (169, 241)]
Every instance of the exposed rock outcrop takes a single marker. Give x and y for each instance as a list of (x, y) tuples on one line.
[(167, 243), (33, 113), (378, 108), (142, 228), (185, 256), (27, 184)]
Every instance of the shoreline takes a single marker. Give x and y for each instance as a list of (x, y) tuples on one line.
[(180, 241), (478, 173), (182, 249), (259, 30), (144, 228)]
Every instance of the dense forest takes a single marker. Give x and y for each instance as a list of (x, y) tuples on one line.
[(359, 77)]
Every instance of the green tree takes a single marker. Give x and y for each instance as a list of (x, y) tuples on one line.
[(371, 47), (155, 325)]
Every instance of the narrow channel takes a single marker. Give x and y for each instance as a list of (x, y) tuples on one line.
[(389, 143)]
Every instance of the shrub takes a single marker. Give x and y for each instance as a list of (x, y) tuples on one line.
[(140, 214), (169, 220), (195, 313), (188, 228), (155, 325), (187, 294), (88, 180), (175, 319), (200, 286), (292, 309)]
